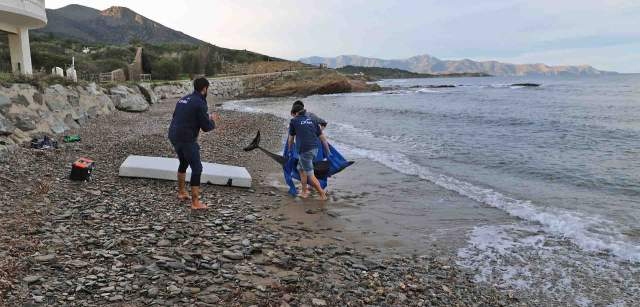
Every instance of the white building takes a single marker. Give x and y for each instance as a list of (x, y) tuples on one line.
[(16, 18)]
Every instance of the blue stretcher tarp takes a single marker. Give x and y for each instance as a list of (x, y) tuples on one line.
[(336, 160)]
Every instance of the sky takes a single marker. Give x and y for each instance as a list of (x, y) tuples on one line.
[(602, 33)]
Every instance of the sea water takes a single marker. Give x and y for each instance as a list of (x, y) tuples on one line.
[(561, 161)]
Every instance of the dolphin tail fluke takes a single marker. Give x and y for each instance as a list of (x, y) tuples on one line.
[(255, 144)]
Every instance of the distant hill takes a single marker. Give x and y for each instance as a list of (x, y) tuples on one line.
[(395, 73), (115, 25), (432, 65), (102, 41)]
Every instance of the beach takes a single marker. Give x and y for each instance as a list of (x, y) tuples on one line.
[(130, 242), (532, 189)]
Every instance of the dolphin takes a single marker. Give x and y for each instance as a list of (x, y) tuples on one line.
[(322, 169)]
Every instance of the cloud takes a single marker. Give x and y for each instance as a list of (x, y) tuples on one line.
[(536, 31)]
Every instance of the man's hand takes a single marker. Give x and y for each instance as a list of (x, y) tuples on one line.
[(214, 117)]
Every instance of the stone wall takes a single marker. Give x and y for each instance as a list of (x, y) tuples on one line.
[(225, 88), (27, 111)]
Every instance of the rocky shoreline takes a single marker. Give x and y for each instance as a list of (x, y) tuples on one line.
[(30, 111), (130, 242)]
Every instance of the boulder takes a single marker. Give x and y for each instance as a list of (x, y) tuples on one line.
[(131, 103), (6, 127), (342, 86), (24, 122), (121, 91), (21, 100), (20, 136), (56, 99), (55, 123), (5, 102), (126, 99), (149, 95)]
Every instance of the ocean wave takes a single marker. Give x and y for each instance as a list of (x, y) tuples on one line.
[(591, 233), (426, 91), (364, 94), (522, 257)]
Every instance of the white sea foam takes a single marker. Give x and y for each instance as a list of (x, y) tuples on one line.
[(524, 258), (365, 94), (591, 233), (572, 225), (426, 91)]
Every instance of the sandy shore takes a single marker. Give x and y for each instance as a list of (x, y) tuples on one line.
[(129, 242)]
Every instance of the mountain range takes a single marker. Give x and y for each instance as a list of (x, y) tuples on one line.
[(432, 65), (115, 25)]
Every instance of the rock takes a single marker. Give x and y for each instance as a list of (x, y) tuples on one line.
[(131, 104), (318, 302), (173, 290), (210, 298), (38, 298), (4, 101), (45, 258), (32, 279), (23, 122), (250, 218), (125, 99), (288, 276), (152, 292), (149, 94), (21, 100), (116, 298), (342, 86), (191, 291), (6, 127), (77, 263), (164, 243), (248, 297), (107, 289), (232, 255)]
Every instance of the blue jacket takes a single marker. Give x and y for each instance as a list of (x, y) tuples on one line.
[(306, 130), (336, 160), (189, 117)]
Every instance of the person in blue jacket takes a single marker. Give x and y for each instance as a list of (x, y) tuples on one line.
[(306, 132), (189, 117), (323, 123)]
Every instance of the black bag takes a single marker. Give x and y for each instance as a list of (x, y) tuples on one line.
[(81, 169), (44, 143)]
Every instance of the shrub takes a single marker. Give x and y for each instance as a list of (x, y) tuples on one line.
[(165, 69)]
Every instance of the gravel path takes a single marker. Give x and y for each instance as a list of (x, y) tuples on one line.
[(129, 242)]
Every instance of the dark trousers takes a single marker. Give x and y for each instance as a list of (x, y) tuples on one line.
[(189, 156)]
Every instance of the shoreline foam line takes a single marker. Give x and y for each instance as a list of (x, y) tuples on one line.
[(571, 225)]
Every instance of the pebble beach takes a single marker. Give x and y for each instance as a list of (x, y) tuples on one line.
[(130, 242)]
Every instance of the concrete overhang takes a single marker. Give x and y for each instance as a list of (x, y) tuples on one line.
[(28, 14)]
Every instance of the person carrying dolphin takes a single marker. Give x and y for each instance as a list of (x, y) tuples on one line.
[(306, 133), (321, 122)]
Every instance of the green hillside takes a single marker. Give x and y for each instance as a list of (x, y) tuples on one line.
[(90, 36)]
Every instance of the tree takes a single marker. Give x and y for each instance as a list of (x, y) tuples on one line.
[(190, 62), (165, 69)]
